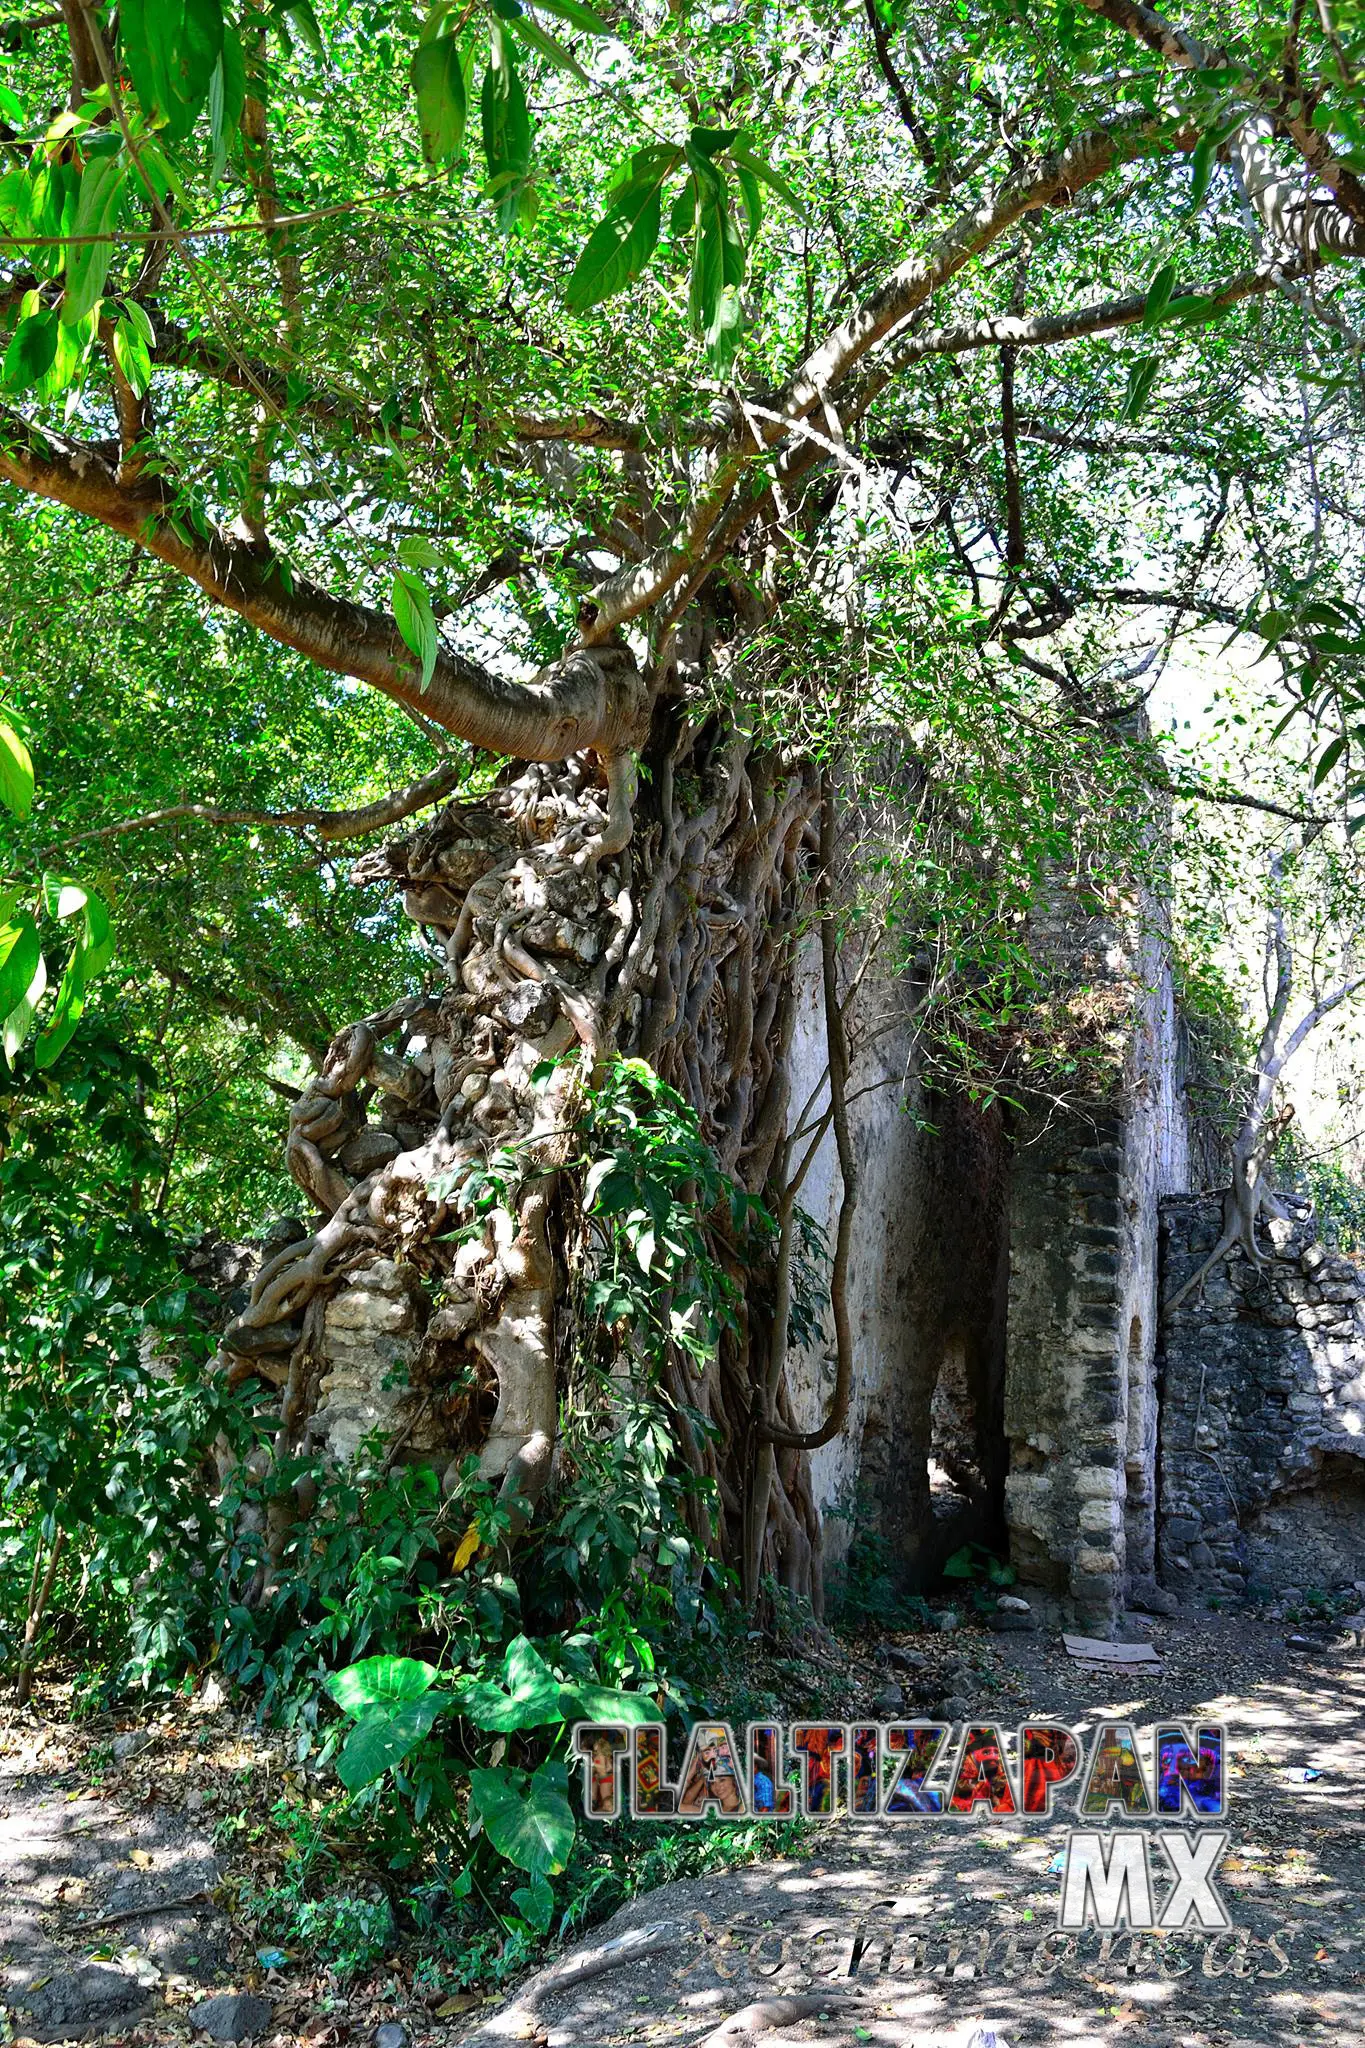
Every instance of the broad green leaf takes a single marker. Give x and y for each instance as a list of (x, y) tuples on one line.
[(139, 317), (416, 553), (32, 350), (1327, 760), (617, 250), (438, 82), (1201, 168), (171, 48), (381, 1682), (20, 952), (1141, 378), (12, 108), (62, 897), (57, 1034), (19, 1022), (743, 153), (132, 356), (87, 262), (577, 16), (602, 1703), (16, 772), (506, 129), (416, 620), (547, 46), (1158, 295), (536, 1904), (97, 936), (384, 1736), (530, 1821)]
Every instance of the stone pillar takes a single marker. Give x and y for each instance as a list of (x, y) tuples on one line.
[(1065, 1375)]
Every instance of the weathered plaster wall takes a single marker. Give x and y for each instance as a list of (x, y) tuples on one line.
[(927, 1290), (1080, 1385), (1263, 1413)]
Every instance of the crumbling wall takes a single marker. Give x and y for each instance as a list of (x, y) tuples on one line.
[(926, 1294), (1262, 1456), (1080, 1387)]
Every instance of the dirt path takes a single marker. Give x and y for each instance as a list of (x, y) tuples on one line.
[(904, 1936), (920, 1935)]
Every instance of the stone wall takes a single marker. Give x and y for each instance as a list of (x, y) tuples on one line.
[(1262, 1466), (926, 1296), (1080, 1388)]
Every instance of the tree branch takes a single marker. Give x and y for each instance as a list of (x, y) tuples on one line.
[(329, 825), (586, 701)]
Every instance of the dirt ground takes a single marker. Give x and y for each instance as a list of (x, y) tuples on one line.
[(890, 1935)]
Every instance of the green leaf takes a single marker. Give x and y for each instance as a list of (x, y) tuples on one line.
[(32, 350), (602, 1703), (1141, 378), (529, 1823), (87, 263), (1158, 295), (384, 1736), (577, 16), (416, 620), (742, 154), (536, 1904), (617, 250), (57, 1034), (171, 48), (141, 319), (381, 1682), (20, 952), (16, 772), (506, 129), (19, 1022), (416, 553), (132, 356), (12, 107), (1327, 760), (718, 263), (62, 897), (97, 936), (438, 81), (1201, 168), (1337, 643)]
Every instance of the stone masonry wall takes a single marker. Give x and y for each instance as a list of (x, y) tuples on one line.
[(1263, 1411), (1080, 1387)]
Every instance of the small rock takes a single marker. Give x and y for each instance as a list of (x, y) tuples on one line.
[(232, 2016), (130, 1744), (1298, 1642), (889, 1704), (899, 1659), (1151, 1599), (74, 2002), (1011, 1623), (1010, 1603), (954, 1708), (392, 2036), (947, 1619)]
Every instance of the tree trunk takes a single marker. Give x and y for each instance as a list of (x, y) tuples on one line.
[(567, 913)]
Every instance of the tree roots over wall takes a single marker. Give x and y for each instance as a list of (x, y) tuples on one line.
[(567, 909)]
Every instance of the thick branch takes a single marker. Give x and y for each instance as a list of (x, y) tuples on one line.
[(587, 701), (1318, 229)]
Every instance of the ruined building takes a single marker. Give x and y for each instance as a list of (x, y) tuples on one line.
[(1015, 1381)]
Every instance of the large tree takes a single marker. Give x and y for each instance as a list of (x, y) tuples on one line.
[(906, 377)]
